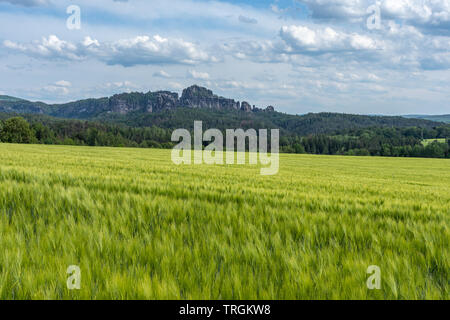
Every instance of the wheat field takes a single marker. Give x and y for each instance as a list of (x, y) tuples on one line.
[(140, 227)]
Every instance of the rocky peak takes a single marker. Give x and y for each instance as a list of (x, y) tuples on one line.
[(138, 102), (133, 102), (197, 92), (125, 102), (199, 97), (245, 106), (192, 97), (161, 100)]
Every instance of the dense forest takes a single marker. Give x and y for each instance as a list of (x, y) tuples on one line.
[(387, 141)]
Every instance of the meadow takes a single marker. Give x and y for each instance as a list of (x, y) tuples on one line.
[(426, 142), (140, 227)]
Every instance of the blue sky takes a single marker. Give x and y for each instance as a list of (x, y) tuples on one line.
[(298, 55)]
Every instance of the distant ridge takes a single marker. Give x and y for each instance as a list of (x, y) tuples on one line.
[(10, 99), (168, 110), (194, 97), (439, 118)]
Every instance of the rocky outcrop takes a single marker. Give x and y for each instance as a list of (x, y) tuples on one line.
[(161, 100), (199, 97), (125, 103), (151, 102), (120, 106), (245, 106)]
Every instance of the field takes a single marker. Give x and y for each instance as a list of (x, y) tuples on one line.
[(140, 227), (426, 142)]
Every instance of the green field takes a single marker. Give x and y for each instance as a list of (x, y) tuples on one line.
[(140, 227), (426, 142)]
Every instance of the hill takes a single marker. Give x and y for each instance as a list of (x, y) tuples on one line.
[(167, 110), (439, 118), (16, 105), (9, 98), (312, 123)]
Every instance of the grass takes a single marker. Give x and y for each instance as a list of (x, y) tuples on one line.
[(426, 142), (140, 227)]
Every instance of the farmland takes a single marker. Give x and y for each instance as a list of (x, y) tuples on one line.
[(426, 142), (140, 227)]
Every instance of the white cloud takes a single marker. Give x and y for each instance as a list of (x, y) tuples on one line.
[(51, 48), (258, 51), (59, 88), (143, 50), (56, 90), (373, 77), (402, 31), (175, 85), (28, 3), (88, 41), (425, 13), (63, 83), (162, 74), (140, 50), (120, 86), (198, 75), (302, 39), (243, 85)]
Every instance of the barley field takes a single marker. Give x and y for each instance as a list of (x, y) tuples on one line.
[(140, 227)]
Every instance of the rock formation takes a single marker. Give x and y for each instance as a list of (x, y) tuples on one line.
[(199, 97), (245, 106), (134, 102)]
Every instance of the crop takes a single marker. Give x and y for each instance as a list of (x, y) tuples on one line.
[(140, 227)]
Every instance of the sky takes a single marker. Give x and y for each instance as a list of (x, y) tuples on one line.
[(352, 56)]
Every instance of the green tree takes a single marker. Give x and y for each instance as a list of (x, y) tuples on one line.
[(43, 133), (92, 137), (16, 130)]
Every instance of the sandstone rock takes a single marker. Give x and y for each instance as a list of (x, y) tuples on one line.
[(150, 102), (199, 97), (245, 106), (161, 100)]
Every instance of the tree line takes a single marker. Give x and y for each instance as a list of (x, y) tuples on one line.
[(370, 141), (81, 133)]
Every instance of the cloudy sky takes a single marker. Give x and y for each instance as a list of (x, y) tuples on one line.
[(300, 56)]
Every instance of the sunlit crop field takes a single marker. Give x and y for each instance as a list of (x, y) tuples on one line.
[(140, 227), (428, 141)]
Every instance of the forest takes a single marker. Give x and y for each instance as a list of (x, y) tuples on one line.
[(363, 141)]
